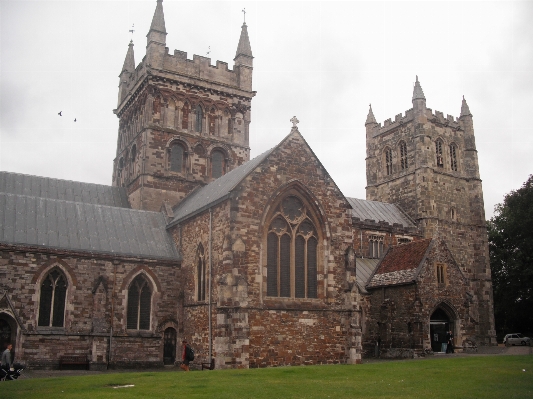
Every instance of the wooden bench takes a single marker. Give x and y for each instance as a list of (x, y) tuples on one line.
[(209, 366), (78, 360)]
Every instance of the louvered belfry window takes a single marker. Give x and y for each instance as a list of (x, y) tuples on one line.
[(139, 304), (291, 249), (52, 300), (438, 153)]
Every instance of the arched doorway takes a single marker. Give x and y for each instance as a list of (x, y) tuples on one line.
[(169, 346), (8, 332), (439, 324)]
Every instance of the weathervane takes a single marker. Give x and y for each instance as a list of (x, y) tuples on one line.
[(244, 11), (132, 30), (208, 50)]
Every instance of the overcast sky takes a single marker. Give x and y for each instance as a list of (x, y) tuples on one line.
[(321, 61)]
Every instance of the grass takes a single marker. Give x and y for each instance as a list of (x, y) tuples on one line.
[(462, 377)]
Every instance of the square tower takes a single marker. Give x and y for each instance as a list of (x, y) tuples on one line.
[(183, 123), (427, 164)]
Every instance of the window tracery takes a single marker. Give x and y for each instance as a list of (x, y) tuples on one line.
[(139, 304), (292, 251), (52, 300)]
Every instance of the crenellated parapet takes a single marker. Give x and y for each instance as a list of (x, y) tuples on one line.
[(183, 122)]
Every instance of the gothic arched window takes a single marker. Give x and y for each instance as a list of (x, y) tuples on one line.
[(403, 155), (185, 116), (388, 161), (199, 119), (139, 304), (453, 157), (177, 158), (52, 300), (217, 164), (212, 118), (200, 273), (438, 153), (133, 158), (292, 251)]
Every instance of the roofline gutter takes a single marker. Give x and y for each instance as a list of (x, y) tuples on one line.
[(202, 209), (390, 285), (86, 254)]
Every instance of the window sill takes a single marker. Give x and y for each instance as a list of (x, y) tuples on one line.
[(50, 330)]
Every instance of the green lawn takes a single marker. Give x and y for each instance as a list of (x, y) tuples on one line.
[(463, 377)]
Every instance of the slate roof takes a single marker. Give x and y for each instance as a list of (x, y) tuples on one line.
[(45, 187), (216, 191), (84, 227), (379, 212), (400, 264), (364, 267)]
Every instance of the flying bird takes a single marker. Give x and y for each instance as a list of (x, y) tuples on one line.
[(59, 113), (74, 119)]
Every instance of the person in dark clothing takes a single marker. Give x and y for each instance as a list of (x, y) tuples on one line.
[(184, 361), (449, 339)]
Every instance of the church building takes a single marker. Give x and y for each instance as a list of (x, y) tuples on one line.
[(255, 262)]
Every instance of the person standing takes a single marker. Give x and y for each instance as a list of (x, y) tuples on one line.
[(450, 342), (7, 361), (184, 358)]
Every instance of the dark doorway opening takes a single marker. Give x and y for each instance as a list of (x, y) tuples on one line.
[(8, 333), (439, 325), (169, 346)]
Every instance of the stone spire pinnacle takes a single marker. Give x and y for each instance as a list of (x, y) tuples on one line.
[(465, 110), (418, 93), (129, 61), (370, 117), (158, 21), (244, 47)]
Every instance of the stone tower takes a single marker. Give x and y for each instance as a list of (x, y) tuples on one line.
[(427, 163), (183, 123)]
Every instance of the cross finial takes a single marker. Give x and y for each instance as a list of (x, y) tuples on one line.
[(294, 121), (244, 11), (132, 30)]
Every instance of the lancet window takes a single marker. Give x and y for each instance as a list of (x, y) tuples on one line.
[(388, 161), (403, 155), (438, 151), (453, 157), (201, 273)]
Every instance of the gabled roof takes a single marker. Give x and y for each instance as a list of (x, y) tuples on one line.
[(400, 264), (379, 212), (84, 227), (216, 191), (364, 267), (45, 187)]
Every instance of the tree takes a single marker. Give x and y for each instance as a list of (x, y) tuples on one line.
[(511, 260)]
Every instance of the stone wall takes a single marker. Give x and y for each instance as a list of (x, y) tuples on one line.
[(399, 316), (95, 286)]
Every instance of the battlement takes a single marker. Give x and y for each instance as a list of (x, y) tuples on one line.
[(200, 67), (400, 119)]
